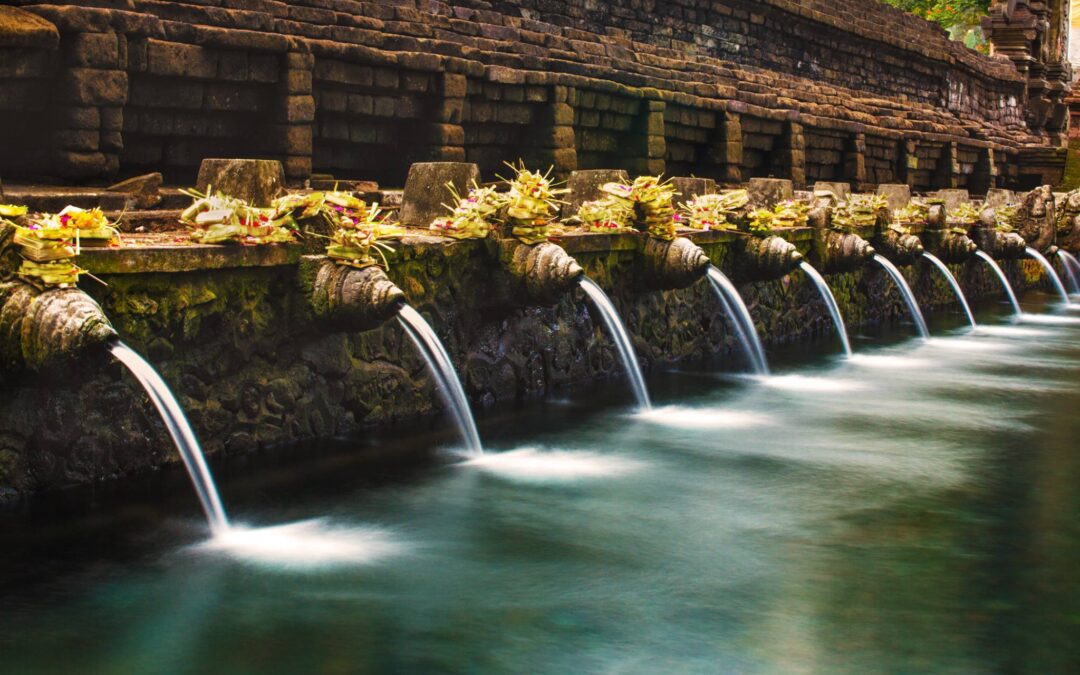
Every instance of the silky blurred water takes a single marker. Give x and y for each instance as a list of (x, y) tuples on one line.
[(913, 509)]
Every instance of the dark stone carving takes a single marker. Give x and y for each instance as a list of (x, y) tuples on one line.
[(545, 272), (48, 330), (672, 264), (901, 249), (347, 298), (763, 259)]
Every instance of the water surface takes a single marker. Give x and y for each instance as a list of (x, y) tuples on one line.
[(913, 509)]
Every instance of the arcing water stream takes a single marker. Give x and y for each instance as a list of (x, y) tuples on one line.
[(959, 292), (1004, 280), (1051, 274), (741, 319), (442, 368), (830, 303), (905, 293), (620, 337), (179, 429)]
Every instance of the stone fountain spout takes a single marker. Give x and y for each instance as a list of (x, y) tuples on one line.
[(672, 264), (1068, 222), (44, 329), (348, 298), (48, 330), (947, 244), (835, 251), (899, 248), (764, 259), (534, 273), (1000, 245), (1034, 219)]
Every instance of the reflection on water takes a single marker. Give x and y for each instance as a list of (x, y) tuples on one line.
[(913, 509)]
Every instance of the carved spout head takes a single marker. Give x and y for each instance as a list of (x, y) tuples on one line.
[(901, 249), (1033, 218), (1068, 222), (353, 299), (673, 264), (765, 259), (48, 330), (841, 252), (1009, 246), (952, 247), (546, 269)]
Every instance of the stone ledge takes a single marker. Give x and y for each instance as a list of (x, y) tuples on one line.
[(171, 252), (19, 28)]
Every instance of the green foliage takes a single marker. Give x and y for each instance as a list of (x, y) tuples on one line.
[(959, 17), (948, 13)]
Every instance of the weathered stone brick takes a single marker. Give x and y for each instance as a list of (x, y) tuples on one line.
[(76, 139), (232, 66), (298, 81), (79, 117), (454, 86), (179, 60), (227, 97), (447, 134), (361, 104), (96, 50), (95, 87), (299, 109)]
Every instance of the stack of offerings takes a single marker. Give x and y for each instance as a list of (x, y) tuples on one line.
[(472, 216), (360, 234), (49, 243), (531, 204), (609, 215), (859, 212), (651, 200), (784, 214), (965, 215), (714, 211), (218, 218), (915, 213)]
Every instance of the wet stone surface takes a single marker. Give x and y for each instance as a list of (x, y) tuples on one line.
[(252, 368)]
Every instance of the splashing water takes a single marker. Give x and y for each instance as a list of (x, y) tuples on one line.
[(905, 293), (830, 302), (537, 465), (740, 317), (687, 417), (180, 431), (936, 262), (438, 362), (1050, 273), (620, 337), (305, 544), (1004, 280), (1071, 264)]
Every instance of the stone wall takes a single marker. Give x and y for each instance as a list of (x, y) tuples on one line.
[(239, 347), (731, 89)]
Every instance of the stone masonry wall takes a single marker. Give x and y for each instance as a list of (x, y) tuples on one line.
[(728, 88), (239, 350)]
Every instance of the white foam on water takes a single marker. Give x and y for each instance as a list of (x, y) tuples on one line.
[(966, 345), (312, 543), (1011, 331), (685, 417), (1050, 319), (825, 385), (888, 361), (539, 465)]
